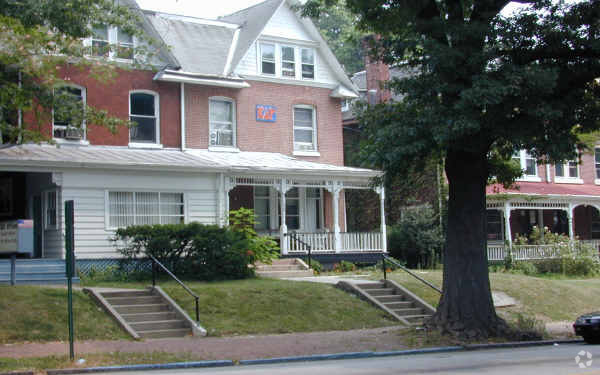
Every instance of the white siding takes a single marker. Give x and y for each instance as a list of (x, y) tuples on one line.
[(285, 24), (324, 72), (248, 65), (88, 191)]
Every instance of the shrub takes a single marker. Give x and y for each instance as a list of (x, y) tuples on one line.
[(529, 328), (205, 252), (527, 268), (417, 239), (264, 248), (315, 265), (344, 266)]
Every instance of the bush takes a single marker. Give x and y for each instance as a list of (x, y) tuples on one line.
[(527, 268), (264, 248), (417, 239), (315, 265), (344, 266), (204, 252)]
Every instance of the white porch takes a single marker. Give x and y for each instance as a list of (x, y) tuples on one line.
[(313, 208)]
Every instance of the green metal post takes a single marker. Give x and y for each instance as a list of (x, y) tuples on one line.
[(70, 260)]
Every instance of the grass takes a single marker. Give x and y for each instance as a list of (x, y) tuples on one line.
[(31, 313), (39, 364), (547, 299), (265, 306)]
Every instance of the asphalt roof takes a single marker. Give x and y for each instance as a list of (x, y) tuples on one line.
[(63, 156)]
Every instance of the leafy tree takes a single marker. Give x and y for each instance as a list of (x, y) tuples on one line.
[(487, 86), (39, 38), (336, 24)]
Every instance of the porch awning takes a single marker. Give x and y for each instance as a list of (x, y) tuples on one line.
[(36, 157)]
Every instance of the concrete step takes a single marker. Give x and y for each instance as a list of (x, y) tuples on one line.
[(409, 312), (127, 293), (370, 286), (416, 319), (136, 300), (282, 274), (279, 267), (285, 261), (399, 305), (158, 325), (140, 309), (380, 292), (390, 298), (165, 333), (149, 317)]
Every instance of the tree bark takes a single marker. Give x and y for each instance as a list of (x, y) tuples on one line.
[(466, 308)]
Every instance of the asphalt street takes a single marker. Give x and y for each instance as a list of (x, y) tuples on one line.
[(561, 359)]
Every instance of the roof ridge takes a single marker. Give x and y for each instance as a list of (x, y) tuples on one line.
[(242, 10)]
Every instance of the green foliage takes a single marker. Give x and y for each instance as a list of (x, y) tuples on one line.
[(344, 266), (112, 274), (417, 239), (264, 248), (529, 328), (204, 252), (315, 265), (39, 37)]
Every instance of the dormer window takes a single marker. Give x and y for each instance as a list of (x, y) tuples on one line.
[(267, 54), (286, 61), (111, 42), (308, 63)]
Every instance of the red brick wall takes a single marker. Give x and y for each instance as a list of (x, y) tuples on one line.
[(113, 96), (253, 135)]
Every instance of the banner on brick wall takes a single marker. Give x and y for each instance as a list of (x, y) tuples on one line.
[(266, 113)]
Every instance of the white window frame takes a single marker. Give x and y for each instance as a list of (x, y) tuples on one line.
[(522, 157), (233, 125), (345, 105), (107, 215), (156, 143), (47, 200), (268, 198), (279, 59), (568, 179), (305, 152), (113, 43), (597, 165), (83, 139)]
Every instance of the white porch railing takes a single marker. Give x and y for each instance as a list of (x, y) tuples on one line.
[(530, 252), (324, 242)]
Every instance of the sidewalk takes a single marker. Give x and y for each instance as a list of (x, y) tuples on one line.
[(236, 348)]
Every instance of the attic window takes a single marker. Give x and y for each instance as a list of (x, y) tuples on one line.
[(267, 53), (288, 62), (308, 63), (111, 42)]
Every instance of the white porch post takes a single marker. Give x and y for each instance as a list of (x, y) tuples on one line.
[(507, 223), (334, 188), (227, 186), (282, 187), (570, 221), (541, 222), (381, 191), (221, 200)]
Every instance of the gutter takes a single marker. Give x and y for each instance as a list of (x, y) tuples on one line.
[(172, 76)]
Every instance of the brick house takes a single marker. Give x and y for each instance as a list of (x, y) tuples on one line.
[(243, 111)]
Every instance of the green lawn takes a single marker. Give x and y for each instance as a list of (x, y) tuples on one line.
[(31, 313), (546, 299)]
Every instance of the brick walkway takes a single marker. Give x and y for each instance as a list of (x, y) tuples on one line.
[(235, 348)]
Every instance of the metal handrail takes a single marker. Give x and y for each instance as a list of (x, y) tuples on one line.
[(397, 264), (187, 289), (309, 248)]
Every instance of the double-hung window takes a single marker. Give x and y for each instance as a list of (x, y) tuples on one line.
[(50, 209), (111, 42), (305, 128), (262, 208), (597, 162), (68, 113), (568, 170), (144, 208), (143, 113), (308, 63), (222, 122), (288, 62), (267, 58), (528, 165)]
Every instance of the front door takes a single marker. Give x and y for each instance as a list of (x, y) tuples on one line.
[(38, 228)]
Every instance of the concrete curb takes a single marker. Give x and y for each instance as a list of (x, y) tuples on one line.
[(307, 358), (159, 366)]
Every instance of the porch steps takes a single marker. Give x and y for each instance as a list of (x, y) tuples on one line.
[(392, 298), (145, 313), (35, 272), (282, 268)]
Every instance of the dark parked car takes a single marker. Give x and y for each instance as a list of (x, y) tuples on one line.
[(588, 327)]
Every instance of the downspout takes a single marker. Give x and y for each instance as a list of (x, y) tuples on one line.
[(182, 99), (20, 112)]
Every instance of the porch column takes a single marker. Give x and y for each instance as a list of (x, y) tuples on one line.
[(334, 189), (227, 186), (541, 222), (570, 221), (507, 223), (282, 188), (221, 200), (381, 191)]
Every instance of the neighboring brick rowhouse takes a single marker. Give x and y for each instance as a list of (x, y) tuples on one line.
[(378, 74), (113, 96), (276, 136)]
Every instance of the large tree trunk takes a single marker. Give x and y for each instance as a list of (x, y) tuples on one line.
[(466, 308)]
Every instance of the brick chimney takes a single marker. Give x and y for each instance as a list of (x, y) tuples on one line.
[(377, 74)]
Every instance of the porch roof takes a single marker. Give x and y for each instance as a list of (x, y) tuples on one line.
[(44, 156), (546, 189)]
